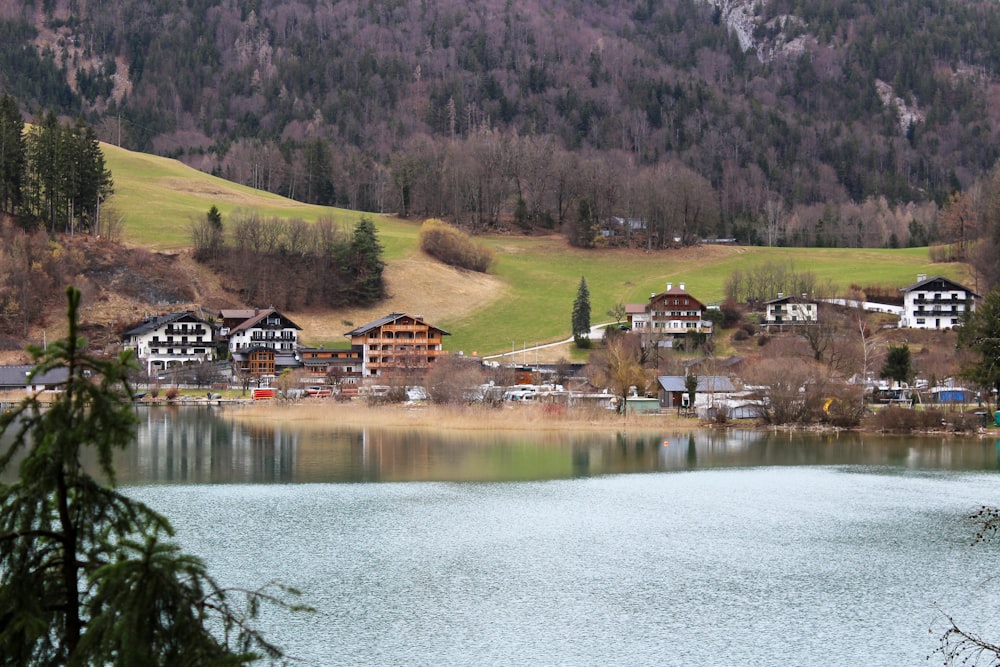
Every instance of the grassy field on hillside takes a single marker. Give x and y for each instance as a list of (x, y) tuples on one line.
[(160, 197), (538, 277)]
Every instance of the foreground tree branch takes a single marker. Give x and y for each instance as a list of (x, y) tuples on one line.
[(88, 575)]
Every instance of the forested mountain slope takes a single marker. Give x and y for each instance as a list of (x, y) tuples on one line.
[(813, 122)]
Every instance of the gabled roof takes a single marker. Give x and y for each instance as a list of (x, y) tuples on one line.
[(17, 376), (706, 383), (791, 298), (237, 313), (675, 290), (727, 363), (635, 308), (155, 323), (259, 316), (938, 284), (389, 319)]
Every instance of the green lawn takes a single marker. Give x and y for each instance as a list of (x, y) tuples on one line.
[(544, 275), (159, 198)]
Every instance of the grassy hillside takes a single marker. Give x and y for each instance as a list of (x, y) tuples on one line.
[(529, 296)]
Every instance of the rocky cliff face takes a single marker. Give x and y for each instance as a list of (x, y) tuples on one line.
[(767, 40)]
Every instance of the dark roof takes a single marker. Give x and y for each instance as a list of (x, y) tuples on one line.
[(155, 323), (938, 284), (791, 298), (388, 319), (728, 362), (251, 322), (705, 383), (17, 376)]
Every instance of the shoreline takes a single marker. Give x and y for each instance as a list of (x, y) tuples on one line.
[(519, 417), (512, 418)]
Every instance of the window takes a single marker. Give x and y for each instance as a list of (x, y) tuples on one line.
[(920, 320)]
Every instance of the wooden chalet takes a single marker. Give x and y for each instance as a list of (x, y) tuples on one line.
[(396, 342)]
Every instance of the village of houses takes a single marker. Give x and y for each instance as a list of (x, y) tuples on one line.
[(250, 349)]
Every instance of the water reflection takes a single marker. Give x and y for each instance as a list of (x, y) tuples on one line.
[(203, 445)]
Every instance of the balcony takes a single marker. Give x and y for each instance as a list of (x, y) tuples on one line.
[(185, 331), (262, 337)]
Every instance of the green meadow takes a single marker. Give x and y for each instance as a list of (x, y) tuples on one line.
[(159, 198)]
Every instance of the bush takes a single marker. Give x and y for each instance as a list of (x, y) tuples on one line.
[(903, 420), (453, 246), (732, 314)]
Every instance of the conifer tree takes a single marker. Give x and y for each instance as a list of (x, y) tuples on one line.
[(11, 155), (87, 574), (898, 366), (581, 315), (980, 335), (365, 263)]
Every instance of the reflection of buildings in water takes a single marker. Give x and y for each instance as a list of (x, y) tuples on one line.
[(201, 445), (202, 448), (734, 448)]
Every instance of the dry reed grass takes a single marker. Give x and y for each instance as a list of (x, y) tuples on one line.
[(531, 418)]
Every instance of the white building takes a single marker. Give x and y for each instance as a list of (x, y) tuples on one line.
[(935, 303), (790, 310), (171, 340), (265, 329)]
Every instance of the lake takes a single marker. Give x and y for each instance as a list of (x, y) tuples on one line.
[(705, 548)]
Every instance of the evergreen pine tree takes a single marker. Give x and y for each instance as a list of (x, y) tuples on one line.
[(365, 263), (43, 169), (95, 183), (980, 335), (87, 576), (581, 315), (11, 155), (897, 365)]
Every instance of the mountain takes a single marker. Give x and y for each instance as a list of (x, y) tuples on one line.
[(813, 122)]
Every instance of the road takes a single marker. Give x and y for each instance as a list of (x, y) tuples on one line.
[(596, 333)]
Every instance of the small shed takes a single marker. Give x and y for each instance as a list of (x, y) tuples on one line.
[(16, 378), (641, 405), (952, 395), (673, 390)]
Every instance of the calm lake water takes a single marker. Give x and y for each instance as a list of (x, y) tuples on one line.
[(729, 548)]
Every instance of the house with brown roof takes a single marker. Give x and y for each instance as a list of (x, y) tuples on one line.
[(397, 342), (669, 314), (263, 344)]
